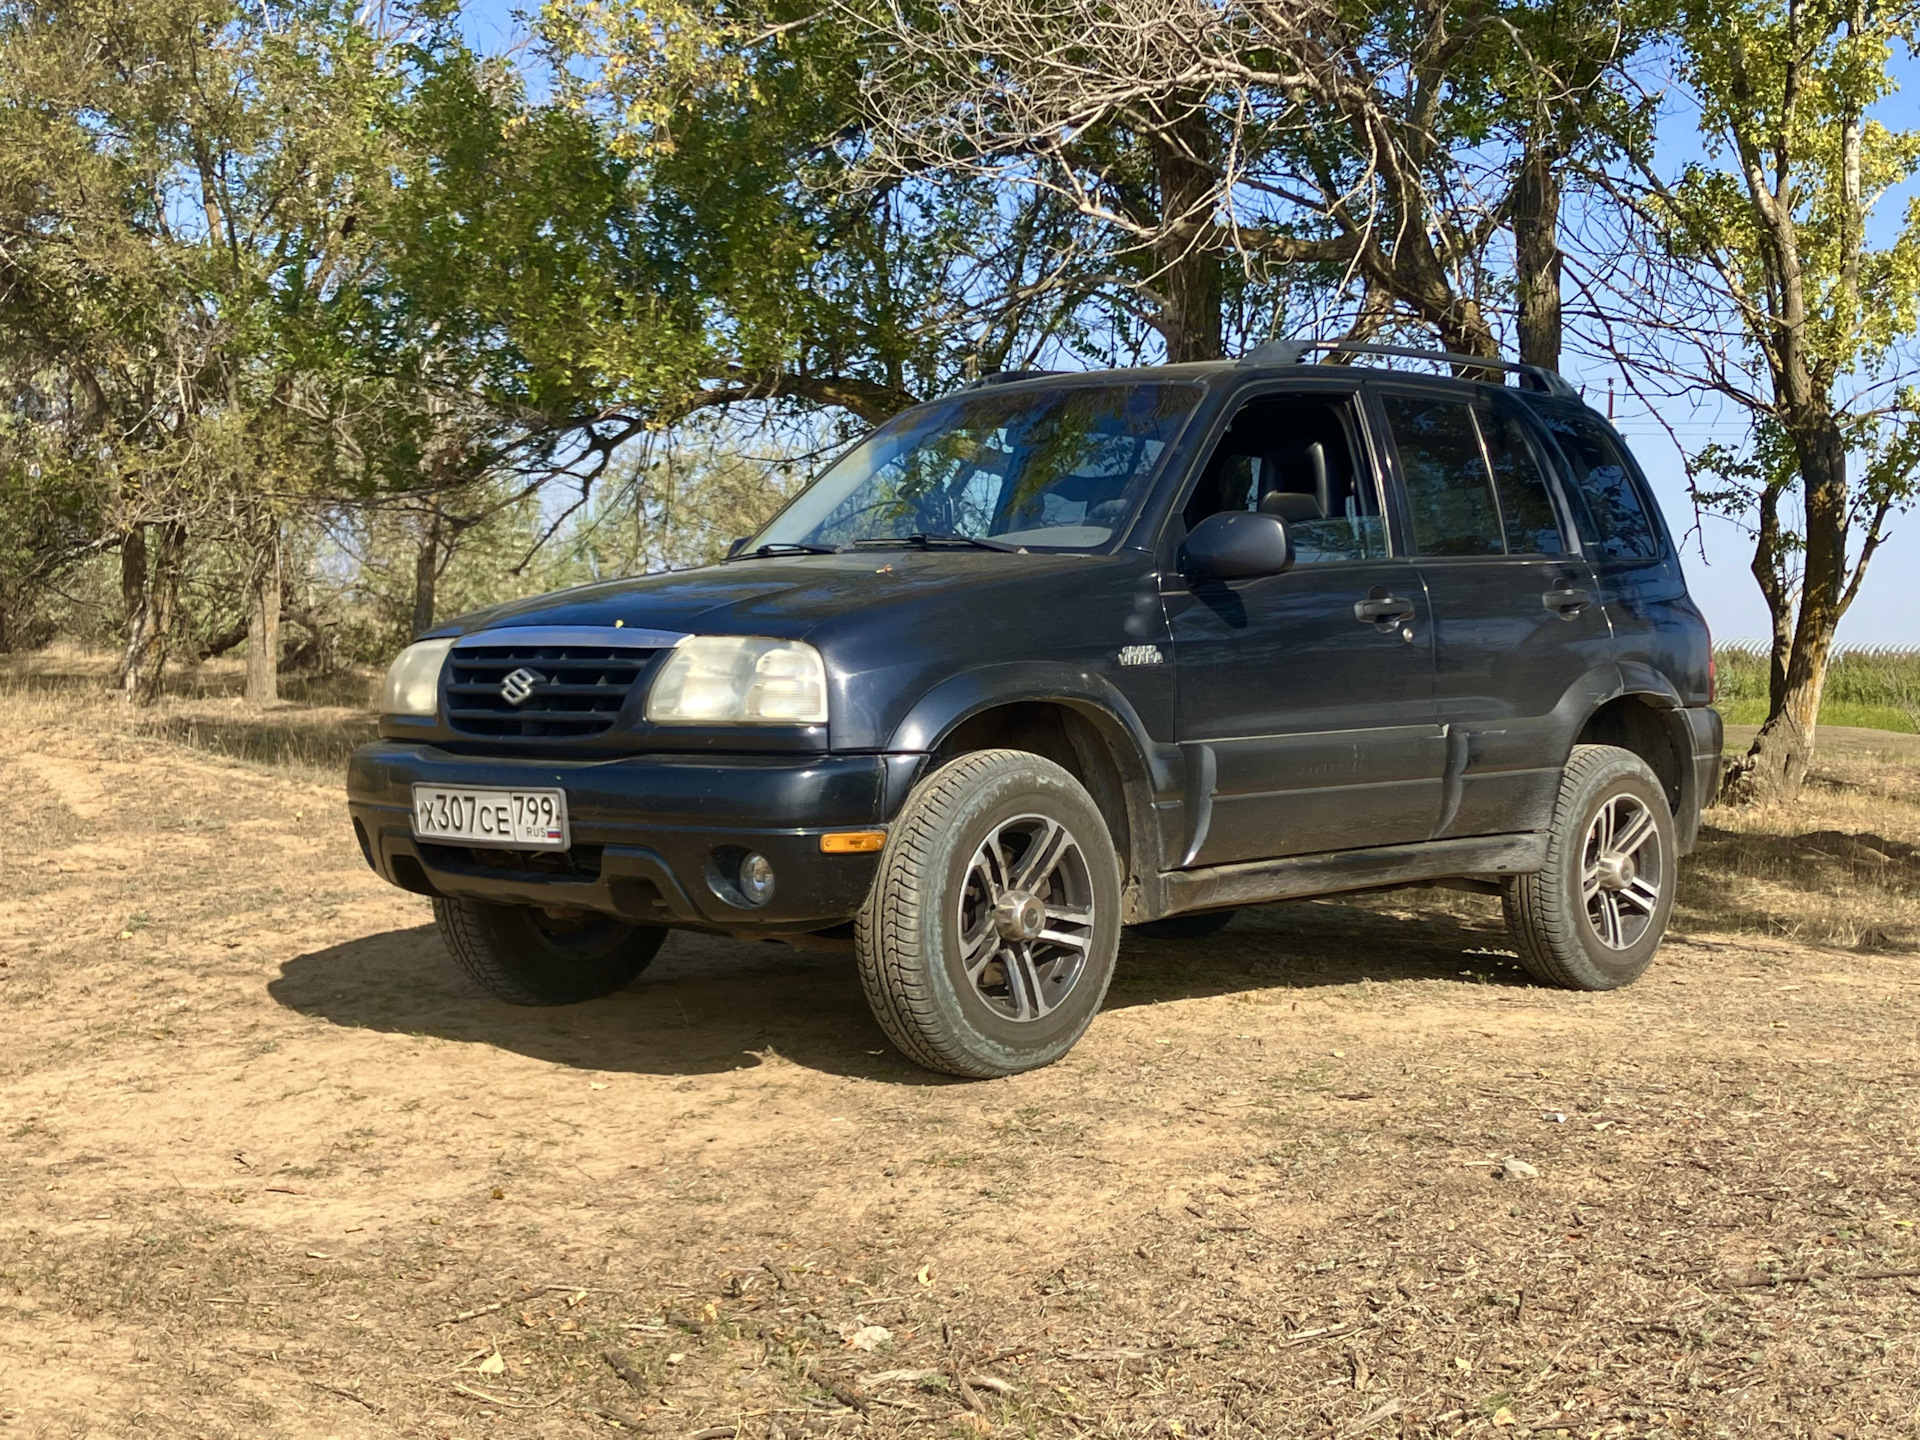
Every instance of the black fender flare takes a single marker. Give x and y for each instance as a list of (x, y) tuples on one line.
[(1150, 772)]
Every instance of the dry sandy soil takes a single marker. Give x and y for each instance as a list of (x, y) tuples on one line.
[(267, 1168)]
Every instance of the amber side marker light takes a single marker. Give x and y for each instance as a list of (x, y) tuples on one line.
[(852, 842)]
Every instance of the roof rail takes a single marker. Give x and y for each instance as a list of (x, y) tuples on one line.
[(1295, 352), (1006, 377)]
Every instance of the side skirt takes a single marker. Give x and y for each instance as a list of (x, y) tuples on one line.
[(1384, 866)]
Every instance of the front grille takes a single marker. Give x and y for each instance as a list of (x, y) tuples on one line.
[(579, 691)]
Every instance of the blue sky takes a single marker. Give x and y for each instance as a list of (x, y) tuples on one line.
[(1717, 552)]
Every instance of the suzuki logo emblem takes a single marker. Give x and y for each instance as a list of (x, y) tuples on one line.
[(517, 688)]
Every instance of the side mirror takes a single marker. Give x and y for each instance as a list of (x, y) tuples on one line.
[(737, 546), (1237, 545)]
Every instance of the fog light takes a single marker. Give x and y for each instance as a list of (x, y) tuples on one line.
[(756, 878)]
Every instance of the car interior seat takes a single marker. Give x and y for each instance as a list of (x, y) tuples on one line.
[(1295, 484)]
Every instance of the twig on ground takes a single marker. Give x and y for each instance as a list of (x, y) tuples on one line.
[(346, 1394), (502, 1400), (465, 1315), (622, 1364)]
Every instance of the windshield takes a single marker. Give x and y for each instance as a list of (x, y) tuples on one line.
[(1053, 469)]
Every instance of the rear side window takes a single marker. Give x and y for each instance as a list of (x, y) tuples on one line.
[(1474, 482), (1608, 506), (1532, 527), (1448, 489)]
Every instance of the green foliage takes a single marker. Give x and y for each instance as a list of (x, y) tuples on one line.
[(1876, 687)]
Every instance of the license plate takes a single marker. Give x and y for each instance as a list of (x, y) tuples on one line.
[(514, 819)]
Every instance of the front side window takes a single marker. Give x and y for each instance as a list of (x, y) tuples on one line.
[(1608, 506), (1294, 456), (1060, 469), (1474, 482)]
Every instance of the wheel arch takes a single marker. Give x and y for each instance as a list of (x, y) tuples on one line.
[(1075, 719), (1649, 724)]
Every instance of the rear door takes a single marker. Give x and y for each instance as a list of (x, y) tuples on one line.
[(1304, 701), (1633, 558), (1519, 638)]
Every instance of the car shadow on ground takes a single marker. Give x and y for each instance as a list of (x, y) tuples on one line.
[(709, 1005)]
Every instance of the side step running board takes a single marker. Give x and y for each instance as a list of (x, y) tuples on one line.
[(1257, 881)]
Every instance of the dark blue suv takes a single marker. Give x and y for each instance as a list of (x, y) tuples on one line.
[(1059, 654)]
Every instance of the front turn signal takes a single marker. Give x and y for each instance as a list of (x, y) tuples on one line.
[(853, 842)]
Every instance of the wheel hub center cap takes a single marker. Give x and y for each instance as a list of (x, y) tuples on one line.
[(1616, 871), (1019, 916)]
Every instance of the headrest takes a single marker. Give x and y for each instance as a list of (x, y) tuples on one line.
[(1292, 508)]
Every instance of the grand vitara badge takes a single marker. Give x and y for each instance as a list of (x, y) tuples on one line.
[(517, 688), (1141, 655)]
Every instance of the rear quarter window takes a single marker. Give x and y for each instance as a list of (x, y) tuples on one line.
[(1614, 516)]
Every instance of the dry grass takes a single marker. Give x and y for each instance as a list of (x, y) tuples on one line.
[(310, 734), (1837, 866), (267, 1169)]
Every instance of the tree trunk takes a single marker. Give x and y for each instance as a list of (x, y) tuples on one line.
[(263, 624), (150, 634), (1536, 244), (1189, 264), (426, 576), (133, 604), (1775, 767)]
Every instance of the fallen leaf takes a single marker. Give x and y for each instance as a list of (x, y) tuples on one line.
[(1504, 1416), (869, 1337), (1512, 1169), (925, 1277), (494, 1364)]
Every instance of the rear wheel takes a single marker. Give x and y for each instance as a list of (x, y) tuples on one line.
[(987, 942), (1593, 917), (1197, 926), (527, 957)]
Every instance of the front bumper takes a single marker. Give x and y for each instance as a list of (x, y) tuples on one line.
[(650, 833)]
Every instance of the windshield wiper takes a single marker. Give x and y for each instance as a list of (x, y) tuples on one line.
[(921, 540), (784, 547)]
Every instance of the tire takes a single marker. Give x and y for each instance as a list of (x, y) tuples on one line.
[(1196, 926), (963, 973), (1592, 919), (517, 954)]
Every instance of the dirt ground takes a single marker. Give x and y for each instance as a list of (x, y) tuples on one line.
[(267, 1168)]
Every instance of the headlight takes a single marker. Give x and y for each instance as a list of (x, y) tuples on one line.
[(413, 680), (739, 680)]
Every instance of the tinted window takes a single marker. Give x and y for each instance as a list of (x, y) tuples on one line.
[(1532, 527), (1608, 506), (1294, 456), (1448, 491), (1060, 469)]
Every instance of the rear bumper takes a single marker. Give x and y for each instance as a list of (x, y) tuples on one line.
[(1706, 737), (645, 833)]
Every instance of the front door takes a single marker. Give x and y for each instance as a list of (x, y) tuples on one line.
[(1522, 646), (1304, 701)]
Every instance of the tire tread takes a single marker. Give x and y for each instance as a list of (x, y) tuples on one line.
[(1543, 932)]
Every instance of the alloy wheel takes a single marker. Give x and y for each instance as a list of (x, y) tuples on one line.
[(1026, 917), (1623, 869)]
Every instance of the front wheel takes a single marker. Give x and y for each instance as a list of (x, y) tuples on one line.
[(987, 942), (527, 957), (1592, 918)]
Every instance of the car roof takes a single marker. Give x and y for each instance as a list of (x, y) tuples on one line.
[(1287, 357)]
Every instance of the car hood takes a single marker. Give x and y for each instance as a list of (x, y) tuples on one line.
[(785, 596)]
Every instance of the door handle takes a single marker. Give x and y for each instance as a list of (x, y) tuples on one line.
[(1383, 610), (1567, 600)]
